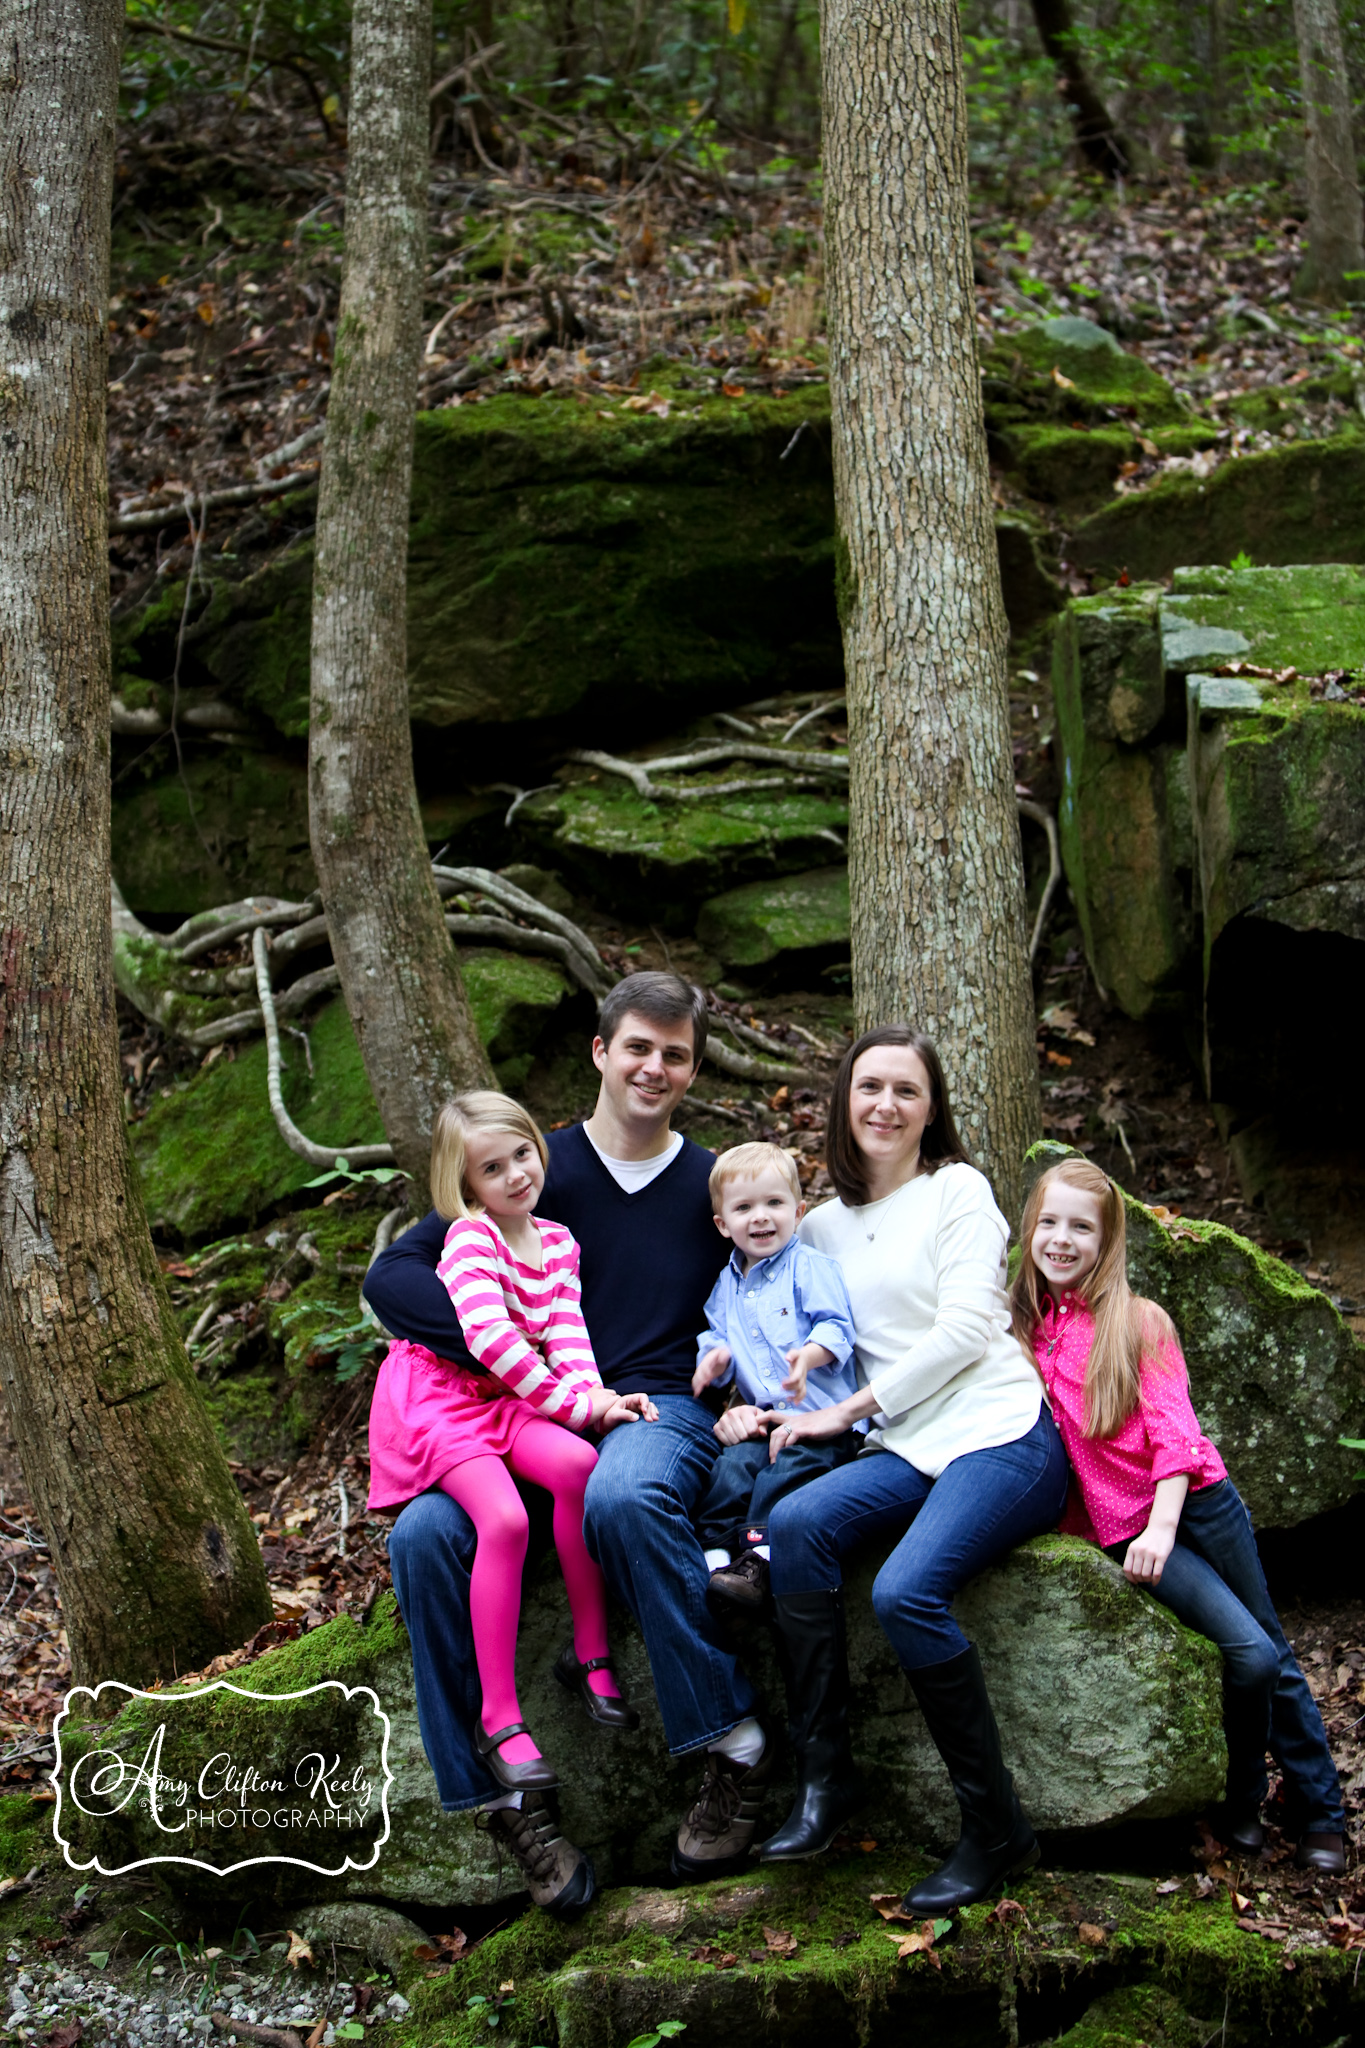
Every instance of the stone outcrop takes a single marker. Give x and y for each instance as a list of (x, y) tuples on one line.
[(795, 926), (1109, 1710), (1275, 1373), (208, 1152)]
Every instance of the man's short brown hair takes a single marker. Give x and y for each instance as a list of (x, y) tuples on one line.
[(660, 999)]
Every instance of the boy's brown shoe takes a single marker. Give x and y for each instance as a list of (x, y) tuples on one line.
[(717, 1831), (744, 1583), (559, 1877)]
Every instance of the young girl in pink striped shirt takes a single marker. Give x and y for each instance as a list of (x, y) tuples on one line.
[(515, 1409), (1155, 1494)]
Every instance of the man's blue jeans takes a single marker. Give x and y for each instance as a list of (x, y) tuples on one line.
[(979, 1507), (1214, 1583), (638, 1525)]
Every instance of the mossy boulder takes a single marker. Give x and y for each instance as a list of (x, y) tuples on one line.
[(1303, 503), (1276, 1375), (1109, 1709), (796, 925), (235, 825), (1100, 375), (1067, 465), (1124, 814), (208, 1152), (665, 859)]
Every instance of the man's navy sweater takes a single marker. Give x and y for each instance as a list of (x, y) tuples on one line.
[(650, 1260)]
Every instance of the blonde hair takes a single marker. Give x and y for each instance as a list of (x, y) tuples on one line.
[(746, 1162), (482, 1109), (1129, 1329)]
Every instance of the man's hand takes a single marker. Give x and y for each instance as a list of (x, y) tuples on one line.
[(744, 1423), (712, 1367), (803, 1361), (609, 1409)]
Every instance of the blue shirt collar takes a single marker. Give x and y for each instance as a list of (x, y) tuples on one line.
[(766, 1266)]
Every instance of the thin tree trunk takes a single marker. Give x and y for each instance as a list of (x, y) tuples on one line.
[(1202, 129), (934, 853), (1335, 263), (399, 973), (156, 1560), (1099, 142)]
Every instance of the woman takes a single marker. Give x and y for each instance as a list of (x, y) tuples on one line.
[(963, 1459)]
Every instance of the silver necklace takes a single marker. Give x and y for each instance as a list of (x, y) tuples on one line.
[(889, 1201)]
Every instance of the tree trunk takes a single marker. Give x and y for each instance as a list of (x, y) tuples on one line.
[(1335, 262), (156, 1560), (934, 852), (399, 973), (1099, 142)]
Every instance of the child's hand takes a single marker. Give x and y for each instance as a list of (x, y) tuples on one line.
[(1147, 1555), (715, 1362), (624, 1408), (743, 1424), (803, 1361)]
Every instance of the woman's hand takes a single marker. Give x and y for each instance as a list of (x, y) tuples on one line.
[(609, 1409), (817, 1425), (742, 1424)]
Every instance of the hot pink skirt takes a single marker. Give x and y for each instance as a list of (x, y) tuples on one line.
[(429, 1414)]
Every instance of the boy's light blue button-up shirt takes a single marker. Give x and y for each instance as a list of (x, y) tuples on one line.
[(795, 1297)]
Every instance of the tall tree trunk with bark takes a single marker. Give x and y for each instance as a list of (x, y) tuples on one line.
[(1097, 139), (934, 851), (399, 973), (1335, 262), (156, 1560)]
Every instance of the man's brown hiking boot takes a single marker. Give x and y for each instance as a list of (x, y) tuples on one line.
[(715, 1833), (559, 1877)]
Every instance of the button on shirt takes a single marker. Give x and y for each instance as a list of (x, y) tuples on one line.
[(796, 1297)]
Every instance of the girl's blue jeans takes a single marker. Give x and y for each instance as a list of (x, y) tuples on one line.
[(1213, 1582), (979, 1507)]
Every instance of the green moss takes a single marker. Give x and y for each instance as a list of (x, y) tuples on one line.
[(665, 858), (805, 917), (22, 1832), (1102, 374), (1305, 503), (1310, 617), (1068, 465), (247, 832)]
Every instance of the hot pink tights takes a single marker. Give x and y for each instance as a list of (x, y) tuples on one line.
[(549, 1456)]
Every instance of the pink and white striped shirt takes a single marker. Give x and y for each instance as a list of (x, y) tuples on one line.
[(523, 1325)]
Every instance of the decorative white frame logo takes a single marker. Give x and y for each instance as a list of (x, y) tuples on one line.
[(145, 1774)]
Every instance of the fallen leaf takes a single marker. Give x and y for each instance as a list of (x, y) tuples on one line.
[(65, 2037), (1169, 1884), (920, 1943), (1006, 1910), (1242, 1903), (888, 1904), (1091, 1936), (733, 390), (1062, 383), (299, 1951), (779, 1942)]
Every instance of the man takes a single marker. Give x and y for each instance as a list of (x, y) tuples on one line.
[(633, 1191)]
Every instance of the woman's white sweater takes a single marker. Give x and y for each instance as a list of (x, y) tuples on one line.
[(925, 1270)]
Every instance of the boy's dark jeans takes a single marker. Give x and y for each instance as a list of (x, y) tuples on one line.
[(745, 1487), (1214, 1583)]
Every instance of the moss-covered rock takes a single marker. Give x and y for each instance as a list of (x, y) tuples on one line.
[(1100, 376), (1304, 503), (236, 825), (800, 923), (666, 859), (1275, 1374), (1124, 814), (1109, 1709), (1067, 465), (208, 1152)]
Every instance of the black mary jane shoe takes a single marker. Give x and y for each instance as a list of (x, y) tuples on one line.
[(537, 1775), (603, 1710)]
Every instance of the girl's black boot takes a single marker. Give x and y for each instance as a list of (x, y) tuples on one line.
[(813, 1652), (996, 1838)]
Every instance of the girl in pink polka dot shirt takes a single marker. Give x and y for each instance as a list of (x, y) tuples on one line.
[(1155, 1495)]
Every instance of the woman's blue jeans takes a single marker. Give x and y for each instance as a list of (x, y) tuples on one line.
[(979, 1507), (1213, 1582)]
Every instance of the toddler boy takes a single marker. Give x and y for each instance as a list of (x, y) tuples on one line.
[(778, 1323)]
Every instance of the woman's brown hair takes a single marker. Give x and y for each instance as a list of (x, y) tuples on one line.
[(1130, 1331), (940, 1145)]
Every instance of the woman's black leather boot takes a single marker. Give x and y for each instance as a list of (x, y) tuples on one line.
[(813, 1652), (996, 1838)]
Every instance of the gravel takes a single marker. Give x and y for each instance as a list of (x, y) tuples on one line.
[(171, 2012)]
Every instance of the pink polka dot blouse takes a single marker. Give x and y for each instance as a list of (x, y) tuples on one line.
[(1116, 1477)]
